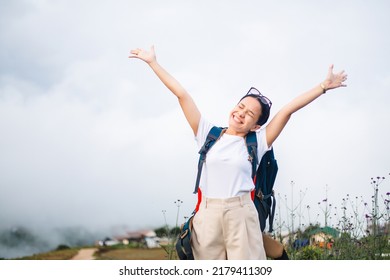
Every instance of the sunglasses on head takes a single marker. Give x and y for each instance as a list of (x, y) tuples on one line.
[(263, 99)]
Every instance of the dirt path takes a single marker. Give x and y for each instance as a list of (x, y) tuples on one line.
[(85, 254)]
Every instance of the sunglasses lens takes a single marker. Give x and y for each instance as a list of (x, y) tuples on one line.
[(254, 91), (262, 98), (266, 101)]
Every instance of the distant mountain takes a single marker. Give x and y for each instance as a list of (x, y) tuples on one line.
[(20, 241)]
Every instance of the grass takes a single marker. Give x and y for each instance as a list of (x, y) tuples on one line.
[(341, 250), (104, 253), (65, 254), (107, 253)]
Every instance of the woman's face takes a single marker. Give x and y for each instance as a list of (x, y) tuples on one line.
[(245, 115)]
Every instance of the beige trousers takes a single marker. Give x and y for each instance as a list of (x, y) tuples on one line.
[(227, 229)]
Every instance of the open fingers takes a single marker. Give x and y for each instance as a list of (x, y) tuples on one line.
[(135, 53), (342, 78), (330, 70)]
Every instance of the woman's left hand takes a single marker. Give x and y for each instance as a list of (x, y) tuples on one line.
[(334, 80)]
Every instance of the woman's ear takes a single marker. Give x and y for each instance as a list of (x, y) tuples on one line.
[(256, 127)]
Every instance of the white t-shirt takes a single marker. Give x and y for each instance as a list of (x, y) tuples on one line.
[(227, 170)]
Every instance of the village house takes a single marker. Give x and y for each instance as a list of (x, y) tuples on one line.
[(144, 238)]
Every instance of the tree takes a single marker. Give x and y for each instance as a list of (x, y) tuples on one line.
[(161, 231)]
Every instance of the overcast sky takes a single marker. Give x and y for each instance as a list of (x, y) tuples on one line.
[(90, 137)]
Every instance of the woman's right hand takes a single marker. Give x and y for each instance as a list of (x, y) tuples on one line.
[(147, 56)]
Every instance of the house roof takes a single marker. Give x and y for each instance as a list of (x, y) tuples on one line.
[(327, 230), (137, 234)]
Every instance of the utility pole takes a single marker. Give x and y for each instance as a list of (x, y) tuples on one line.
[(166, 224), (326, 205), (292, 206), (178, 203)]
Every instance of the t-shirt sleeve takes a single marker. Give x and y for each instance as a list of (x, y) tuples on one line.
[(203, 129), (262, 146)]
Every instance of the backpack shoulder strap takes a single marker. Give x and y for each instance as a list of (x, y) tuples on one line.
[(251, 144), (212, 137)]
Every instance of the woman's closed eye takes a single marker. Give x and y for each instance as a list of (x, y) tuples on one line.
[(247, 112)]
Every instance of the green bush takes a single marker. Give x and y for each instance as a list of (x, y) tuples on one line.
[(62, 247), (309, 253)]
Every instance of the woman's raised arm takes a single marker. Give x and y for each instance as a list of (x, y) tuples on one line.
[(279, 121), (190, 110)]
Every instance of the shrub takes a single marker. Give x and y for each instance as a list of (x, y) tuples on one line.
[(309, 253), (62, 247)]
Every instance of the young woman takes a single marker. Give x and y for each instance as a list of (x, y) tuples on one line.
[(226, 225)]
